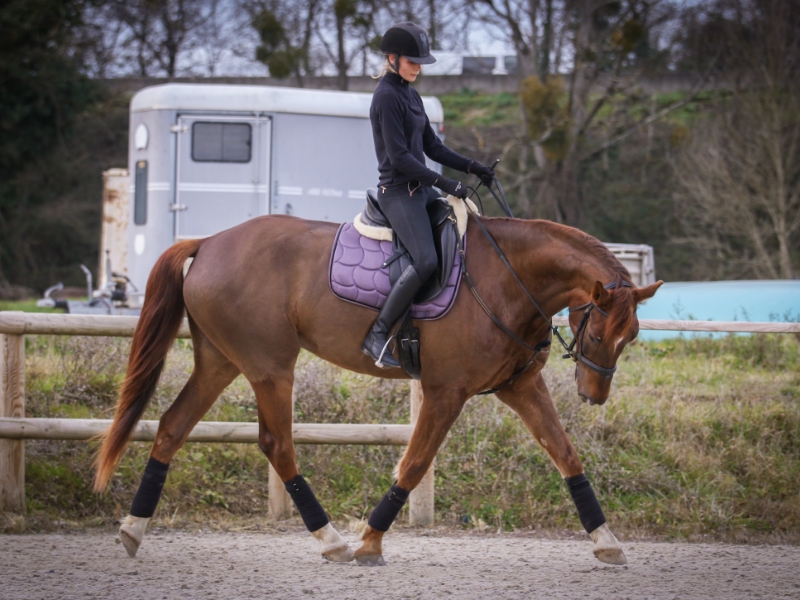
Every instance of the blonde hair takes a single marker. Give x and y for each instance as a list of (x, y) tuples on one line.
[(386, 68)]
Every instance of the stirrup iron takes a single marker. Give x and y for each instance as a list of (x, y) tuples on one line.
[(379, 362)]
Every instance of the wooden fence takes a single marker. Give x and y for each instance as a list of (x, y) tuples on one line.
[(15, 428)]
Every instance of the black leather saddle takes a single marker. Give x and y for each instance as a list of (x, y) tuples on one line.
[(445, 237)]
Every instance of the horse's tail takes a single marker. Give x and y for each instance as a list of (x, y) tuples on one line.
[(161, 318)]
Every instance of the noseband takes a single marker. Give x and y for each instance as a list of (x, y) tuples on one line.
[(576, 353)]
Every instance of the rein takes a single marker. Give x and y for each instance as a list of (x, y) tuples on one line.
[(501, 200), (576, 354)]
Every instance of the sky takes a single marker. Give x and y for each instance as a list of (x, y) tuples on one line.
[(471, 38)]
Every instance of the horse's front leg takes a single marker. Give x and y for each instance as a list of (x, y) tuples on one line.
[(440, 409), (531, 400)]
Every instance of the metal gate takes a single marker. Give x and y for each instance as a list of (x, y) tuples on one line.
[(222, 173)]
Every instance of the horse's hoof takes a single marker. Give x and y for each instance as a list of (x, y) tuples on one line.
[(341, 554), (131, 532), (611, 556), (334, 548), (370, 560), (607, 548), (130, 544)]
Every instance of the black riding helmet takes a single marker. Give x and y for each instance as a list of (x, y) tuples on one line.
[(409, 40)]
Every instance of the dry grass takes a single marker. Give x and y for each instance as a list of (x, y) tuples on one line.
[(700, 440)]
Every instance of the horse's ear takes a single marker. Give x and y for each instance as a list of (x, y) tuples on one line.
[(601, 296), (644, 293)]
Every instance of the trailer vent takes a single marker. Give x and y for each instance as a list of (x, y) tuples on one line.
[(140, 193), (221, 142)]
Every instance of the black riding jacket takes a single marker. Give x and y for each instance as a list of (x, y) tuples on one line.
[(403, 135)]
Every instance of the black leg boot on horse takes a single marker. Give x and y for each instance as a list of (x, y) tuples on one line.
[(376, 344)]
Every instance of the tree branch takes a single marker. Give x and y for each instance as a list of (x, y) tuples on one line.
[(651, 119)]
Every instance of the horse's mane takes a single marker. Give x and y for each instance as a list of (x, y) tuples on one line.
[(598, 249), (621, 308)]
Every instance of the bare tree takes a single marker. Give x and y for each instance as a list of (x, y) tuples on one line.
[(217, 39), (740, 180), (138, 16), (159, 31), (740, 173), (530, 26), (99, 39), (605, 47), (349, 22), (444, 20), (285, 29)]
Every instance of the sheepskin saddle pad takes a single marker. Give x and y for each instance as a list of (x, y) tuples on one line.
[(367, 258)]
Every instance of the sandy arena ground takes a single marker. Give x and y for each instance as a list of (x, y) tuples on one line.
[(175, 565)]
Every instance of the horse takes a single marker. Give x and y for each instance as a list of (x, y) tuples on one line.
[(258, 293)]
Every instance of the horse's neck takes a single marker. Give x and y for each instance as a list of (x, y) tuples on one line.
[(558, 264)]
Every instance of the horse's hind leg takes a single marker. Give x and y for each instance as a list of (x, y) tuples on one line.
[(531, 400), (274, 399), (212, 374), (439, 410)]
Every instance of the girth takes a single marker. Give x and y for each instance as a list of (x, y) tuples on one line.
[(445, 238)]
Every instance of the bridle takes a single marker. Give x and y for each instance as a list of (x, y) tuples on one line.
[(573, 351), (576, 353)]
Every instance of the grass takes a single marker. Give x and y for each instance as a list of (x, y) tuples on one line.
[(468, 108), (24, 306), (700, 439)]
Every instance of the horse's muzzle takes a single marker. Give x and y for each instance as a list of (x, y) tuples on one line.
[(591, 389), (591, 401)]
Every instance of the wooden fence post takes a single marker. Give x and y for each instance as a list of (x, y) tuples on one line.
[(280, 502), (12, 404), (420, 503)]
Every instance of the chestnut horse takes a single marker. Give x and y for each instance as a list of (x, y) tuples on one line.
[(258, 293)]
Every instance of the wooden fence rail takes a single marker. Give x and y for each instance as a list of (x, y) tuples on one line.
[(20, 323), (207, 431), (15, 428)]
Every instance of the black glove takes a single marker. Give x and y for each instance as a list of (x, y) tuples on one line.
[(485, 174), (452, 187)]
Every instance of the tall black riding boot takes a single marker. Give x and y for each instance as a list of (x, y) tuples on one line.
[(397, 302)]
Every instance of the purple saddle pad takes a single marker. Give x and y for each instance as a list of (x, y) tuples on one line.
[(357, 274)]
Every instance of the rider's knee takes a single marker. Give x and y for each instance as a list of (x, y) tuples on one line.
[(425, 267)]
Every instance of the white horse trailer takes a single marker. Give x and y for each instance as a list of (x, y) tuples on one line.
[(203, 158)]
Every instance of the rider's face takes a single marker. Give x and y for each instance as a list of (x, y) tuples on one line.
[(408, 70)]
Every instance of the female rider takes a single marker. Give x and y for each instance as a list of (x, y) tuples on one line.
[(403, 136)]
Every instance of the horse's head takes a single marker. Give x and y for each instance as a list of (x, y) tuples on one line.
[(602, 327)]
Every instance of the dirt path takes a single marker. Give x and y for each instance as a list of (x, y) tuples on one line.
[(178, 565)]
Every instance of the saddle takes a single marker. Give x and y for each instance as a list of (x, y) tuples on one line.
[(367, 258), (445, 236)]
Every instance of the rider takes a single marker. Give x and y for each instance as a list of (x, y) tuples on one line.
[(403, 136)]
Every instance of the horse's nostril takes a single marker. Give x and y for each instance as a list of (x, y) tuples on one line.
[(583, 397)]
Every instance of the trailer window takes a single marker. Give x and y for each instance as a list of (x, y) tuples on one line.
[(140, 193), (221, 142)]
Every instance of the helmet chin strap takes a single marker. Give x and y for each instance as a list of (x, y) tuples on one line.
[(396, 63)]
